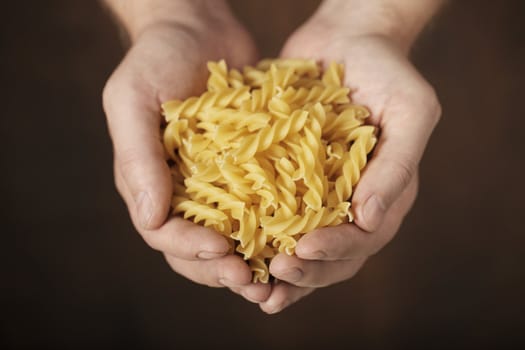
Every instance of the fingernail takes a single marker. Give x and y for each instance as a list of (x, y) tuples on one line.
[(144, 209), (291, 275), (210, 255), (373, 212)]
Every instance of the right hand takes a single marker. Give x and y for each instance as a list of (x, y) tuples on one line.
[(168, 61)]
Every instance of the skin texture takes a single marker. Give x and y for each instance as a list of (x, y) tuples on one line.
[(167, 60)]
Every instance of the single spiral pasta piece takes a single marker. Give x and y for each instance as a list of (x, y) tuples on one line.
[(173, 136), (355, 161), (254, 77), (323, 94), (269, 135), (214, 194), (259, 270), (286, 186), (308, 68), (218, 79), (311, 168), (248, 224), (200, 212), (254, 246), (228, 97), (333, 76), (262, 183), (280, 225), (236, 118), (235, 79)]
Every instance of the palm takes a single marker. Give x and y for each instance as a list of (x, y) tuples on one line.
[(178, 67), (379, 75), (164, 63)]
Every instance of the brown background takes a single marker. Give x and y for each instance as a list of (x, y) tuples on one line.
[(74, 274)]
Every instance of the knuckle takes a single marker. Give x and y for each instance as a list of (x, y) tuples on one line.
[(403, 171), (170, 241), (121, 189), (425, 100), (117, 179), (109, 96), (108, 93), (128, 162), (432, 102), (148, 239), (345, 245), (212, 283), (435, 105), (215, 277), (181, 245), (184, 239), (316, 275)]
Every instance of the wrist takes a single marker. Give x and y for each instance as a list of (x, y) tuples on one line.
[(138, 16), (399, 21)]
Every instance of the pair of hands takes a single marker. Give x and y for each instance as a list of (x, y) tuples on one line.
[(168, 60)]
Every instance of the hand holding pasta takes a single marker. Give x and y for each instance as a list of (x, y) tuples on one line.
[(171, 41), (268, 155), (372, 39)]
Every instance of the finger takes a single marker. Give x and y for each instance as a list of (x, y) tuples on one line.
[(282, 296), (349, 241), (254, 292), (134, 126), (181, 238), (313, 273), (186, 240), (404, 135), (228, 271)]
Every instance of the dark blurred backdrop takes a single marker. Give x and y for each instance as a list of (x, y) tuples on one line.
[(75, 274)]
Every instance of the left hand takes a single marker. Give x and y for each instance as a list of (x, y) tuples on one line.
[(405, 109)]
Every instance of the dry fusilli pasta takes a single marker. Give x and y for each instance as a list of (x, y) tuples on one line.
[(267, 155)]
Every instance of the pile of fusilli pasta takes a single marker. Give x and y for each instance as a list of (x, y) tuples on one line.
[(267, 155)]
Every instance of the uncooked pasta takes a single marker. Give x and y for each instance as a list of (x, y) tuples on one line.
[(267, 154)]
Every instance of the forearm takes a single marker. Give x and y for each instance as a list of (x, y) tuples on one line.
[(135, 16), (401, 20)]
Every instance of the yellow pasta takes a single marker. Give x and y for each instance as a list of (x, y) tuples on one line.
[(267, 154)]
